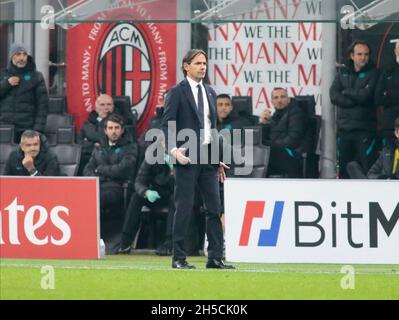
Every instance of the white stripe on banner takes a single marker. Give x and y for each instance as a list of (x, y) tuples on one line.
[(144, 63), (129, 58), (129, 89)]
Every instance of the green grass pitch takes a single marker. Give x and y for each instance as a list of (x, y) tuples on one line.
[(150, 277)]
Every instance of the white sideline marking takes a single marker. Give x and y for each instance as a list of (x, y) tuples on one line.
[(167, 268)]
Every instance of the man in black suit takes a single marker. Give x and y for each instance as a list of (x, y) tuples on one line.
[(191, 104)]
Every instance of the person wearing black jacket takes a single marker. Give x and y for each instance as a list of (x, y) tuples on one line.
[(112, 161), (92, 131), (387, 96), (387, 165), (226, 117), (284, 132), (32, 158), (23, 93), (154, 188), (191, 106), (352, 91)]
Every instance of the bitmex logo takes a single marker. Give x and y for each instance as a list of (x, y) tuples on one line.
[(267, 237), (324, 223)]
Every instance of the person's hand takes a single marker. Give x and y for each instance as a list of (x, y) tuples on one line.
[(222, 173), (265, 116), (13, 81), (28, 163), (178, 153), (152, 195)]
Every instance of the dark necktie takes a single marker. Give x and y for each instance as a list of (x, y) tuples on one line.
[(200, 105)]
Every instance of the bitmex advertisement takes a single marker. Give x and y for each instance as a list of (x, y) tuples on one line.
[(313, 221)]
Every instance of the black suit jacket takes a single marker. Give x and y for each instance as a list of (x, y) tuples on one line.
[(180, 107)]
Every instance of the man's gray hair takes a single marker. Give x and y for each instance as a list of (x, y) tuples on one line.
[(29, 134)]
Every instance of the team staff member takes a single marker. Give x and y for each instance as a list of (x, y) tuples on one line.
[(387, 165), (387, 96), (191, 104), (285, 133), (23, 93), (353, 93), (32, 158)]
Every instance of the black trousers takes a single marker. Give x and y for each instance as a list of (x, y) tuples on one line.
[(111, 210), (205, 178), (355, 146), (133, 217), (111, 197), (284, 161)]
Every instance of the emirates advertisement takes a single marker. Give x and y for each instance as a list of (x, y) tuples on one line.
[(122, 58), (49, 218)]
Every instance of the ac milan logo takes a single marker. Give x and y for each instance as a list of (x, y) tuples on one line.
[(124, 67), (125, 58)]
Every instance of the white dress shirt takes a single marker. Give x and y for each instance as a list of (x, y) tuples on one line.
[(207, 120)]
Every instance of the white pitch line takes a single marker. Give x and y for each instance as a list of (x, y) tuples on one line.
[(164, 268)]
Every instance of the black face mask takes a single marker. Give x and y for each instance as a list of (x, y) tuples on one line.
[(159, 112)]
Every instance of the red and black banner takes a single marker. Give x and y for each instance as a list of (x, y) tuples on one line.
[(122, 58)]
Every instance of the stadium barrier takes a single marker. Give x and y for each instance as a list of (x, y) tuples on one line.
[(312, 221), (49, 218)]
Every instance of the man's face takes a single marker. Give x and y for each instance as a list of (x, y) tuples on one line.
[(113, 131), (31, 146), (280, 99), (20, 59), (104, 106), (224, 107), (196, 70), (397, 133), (360, 56)]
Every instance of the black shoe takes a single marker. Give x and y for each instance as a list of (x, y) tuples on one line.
[(181, 264), (125, 250), (218, 264)]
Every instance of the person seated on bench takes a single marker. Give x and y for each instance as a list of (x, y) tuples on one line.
[(226, 117), (284, 132), (154, 188), (386, 166), (32, 158)]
